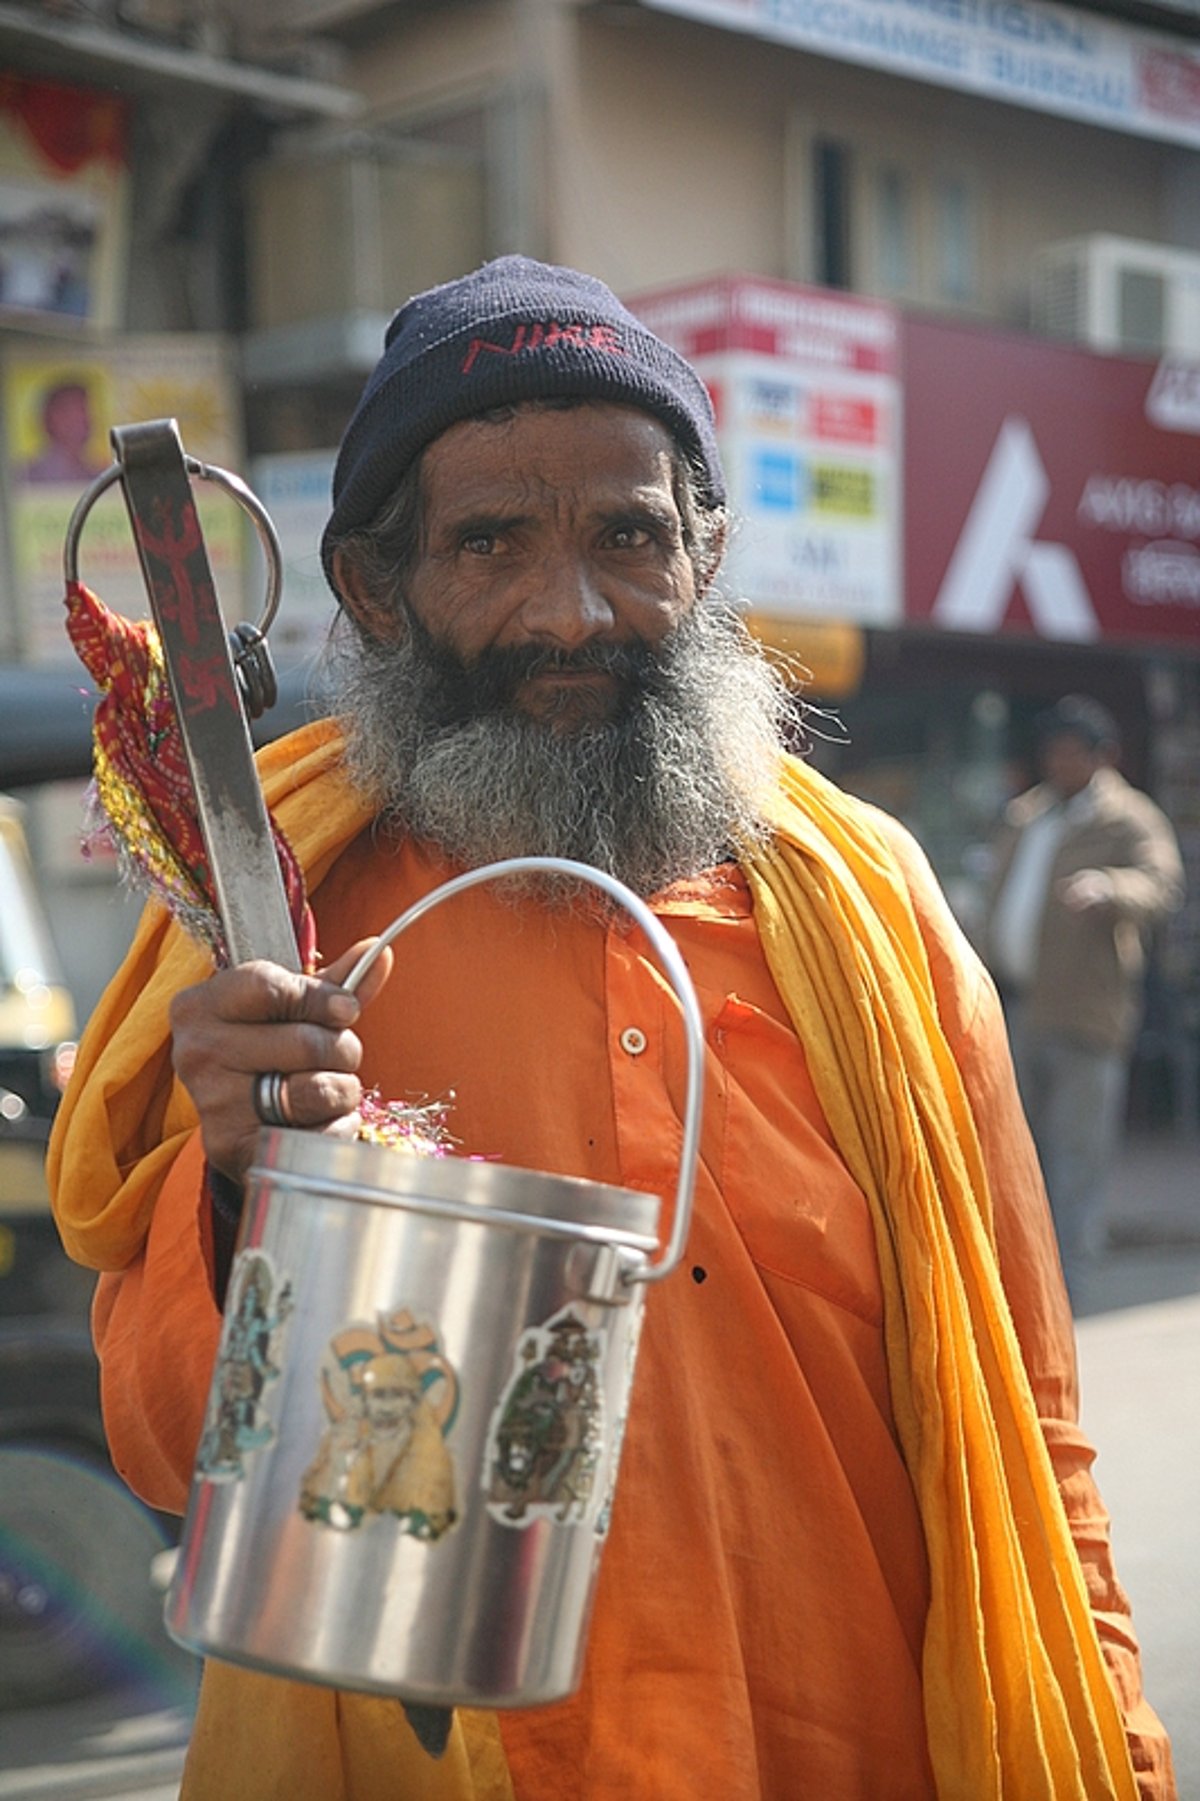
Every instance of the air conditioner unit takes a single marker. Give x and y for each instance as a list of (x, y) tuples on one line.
[(1119, 294), (356, 223)]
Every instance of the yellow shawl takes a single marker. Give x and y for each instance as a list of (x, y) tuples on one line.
[(1018, 1703)]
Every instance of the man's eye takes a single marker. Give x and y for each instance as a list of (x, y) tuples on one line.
[(479, 544), (628, 537)]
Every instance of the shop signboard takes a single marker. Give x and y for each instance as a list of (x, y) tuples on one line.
[(59, 404), (1049, 491), (805, 387), (1035, 53)]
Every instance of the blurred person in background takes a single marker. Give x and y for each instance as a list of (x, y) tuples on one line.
[(1085, 868)]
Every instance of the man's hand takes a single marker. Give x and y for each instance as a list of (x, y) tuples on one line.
[(243, 1022), (1085, 889)]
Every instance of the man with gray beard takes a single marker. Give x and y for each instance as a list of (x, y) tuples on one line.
[(855, 1549)]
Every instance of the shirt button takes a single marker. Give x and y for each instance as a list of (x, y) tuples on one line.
[(633, 1040)]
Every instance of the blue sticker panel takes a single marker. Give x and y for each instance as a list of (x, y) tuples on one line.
[(778, 481)]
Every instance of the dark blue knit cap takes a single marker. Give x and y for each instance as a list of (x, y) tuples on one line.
[(514, 330)]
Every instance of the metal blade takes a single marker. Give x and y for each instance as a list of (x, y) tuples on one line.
[(251, 898)]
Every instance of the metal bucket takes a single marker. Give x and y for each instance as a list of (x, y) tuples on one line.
[(408, 1460)]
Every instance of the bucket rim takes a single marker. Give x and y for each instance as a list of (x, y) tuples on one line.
[(458, 1188)]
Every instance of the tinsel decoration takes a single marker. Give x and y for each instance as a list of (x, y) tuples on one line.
[(418, 1127)]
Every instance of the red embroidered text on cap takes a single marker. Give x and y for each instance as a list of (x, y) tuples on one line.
[(536, 336)]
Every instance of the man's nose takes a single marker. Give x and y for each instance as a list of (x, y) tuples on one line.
[(566, 604)]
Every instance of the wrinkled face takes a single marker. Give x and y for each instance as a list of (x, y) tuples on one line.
[(553, 531), (1069, 762), (530, 671)]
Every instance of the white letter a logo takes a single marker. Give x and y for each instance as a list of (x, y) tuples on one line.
[(996, 552)]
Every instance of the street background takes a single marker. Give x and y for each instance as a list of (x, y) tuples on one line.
[(1139, 1350), (1139, 1359), (940, 266)]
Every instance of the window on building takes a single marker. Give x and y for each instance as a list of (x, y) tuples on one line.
[(956, 238), (832, 174), (393, 210), (887, 212), (895, 236)]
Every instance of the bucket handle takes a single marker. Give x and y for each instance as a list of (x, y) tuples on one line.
[(676, 969)]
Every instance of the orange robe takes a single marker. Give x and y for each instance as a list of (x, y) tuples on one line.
[(762, 1597)]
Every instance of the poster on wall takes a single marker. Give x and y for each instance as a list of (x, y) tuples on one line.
[(64, 186), (807, 397), (59, 406), (295, 488)]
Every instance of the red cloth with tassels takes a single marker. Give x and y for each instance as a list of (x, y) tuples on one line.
[(143, 787)]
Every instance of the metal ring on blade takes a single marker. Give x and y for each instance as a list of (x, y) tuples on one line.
[(233, 485)]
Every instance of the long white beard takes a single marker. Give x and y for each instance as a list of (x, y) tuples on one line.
[(674, 782)]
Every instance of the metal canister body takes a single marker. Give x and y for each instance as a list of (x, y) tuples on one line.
[(408, 1459), (449, 1556)]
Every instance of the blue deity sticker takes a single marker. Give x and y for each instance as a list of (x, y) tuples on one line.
[(390, 1398), (546, 1435), (247, 1362)]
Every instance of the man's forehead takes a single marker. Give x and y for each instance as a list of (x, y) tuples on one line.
[(607, 445)]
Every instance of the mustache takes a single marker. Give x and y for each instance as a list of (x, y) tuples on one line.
[(460, 692)]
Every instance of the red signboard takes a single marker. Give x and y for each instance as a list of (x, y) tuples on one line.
[(813, 326), (1049, 491)]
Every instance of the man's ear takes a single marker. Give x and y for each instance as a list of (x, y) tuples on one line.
[(371, 614), (706, 569)]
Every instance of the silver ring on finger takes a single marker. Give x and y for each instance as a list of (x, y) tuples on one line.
[(271, 1099)]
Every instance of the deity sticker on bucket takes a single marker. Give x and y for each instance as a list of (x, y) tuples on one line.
[(247, 1360), (547, 1432), (390, 1398)]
